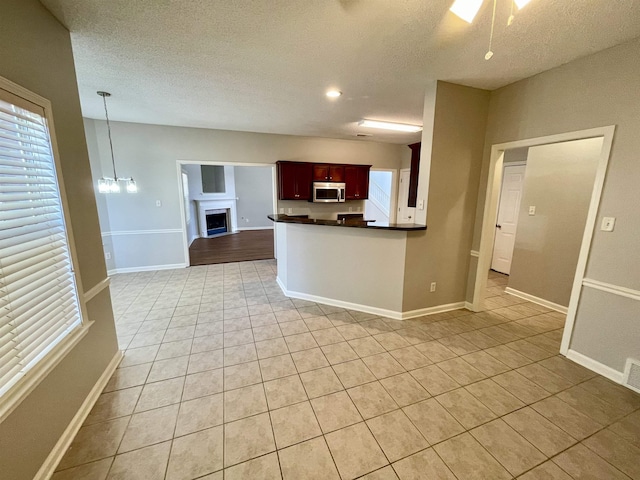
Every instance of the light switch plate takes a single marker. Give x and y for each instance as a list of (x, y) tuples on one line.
[(607, 224), (532, 209), (421, 204), (158, 203)]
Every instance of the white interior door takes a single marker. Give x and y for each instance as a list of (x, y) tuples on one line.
[(508, 208), (405, 214)]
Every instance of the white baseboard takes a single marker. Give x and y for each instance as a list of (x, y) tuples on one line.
[(431, 310), (538, 300), (254, 228), (61, 447), (469, 306), (147, 268), (596, 366), (396, 315)]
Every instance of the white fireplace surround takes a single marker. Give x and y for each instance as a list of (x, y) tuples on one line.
[(227, 204)]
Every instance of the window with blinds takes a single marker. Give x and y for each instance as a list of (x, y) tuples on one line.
[(38, 297)]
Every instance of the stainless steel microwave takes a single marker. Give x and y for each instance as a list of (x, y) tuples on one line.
[(328, 192)]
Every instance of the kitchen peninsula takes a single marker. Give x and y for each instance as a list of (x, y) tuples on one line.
[(352, 264)]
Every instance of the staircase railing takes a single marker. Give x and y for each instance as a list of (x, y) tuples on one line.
[(379, 197)]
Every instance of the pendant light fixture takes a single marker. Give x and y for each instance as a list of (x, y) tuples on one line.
[(112, 184), (468, 9)]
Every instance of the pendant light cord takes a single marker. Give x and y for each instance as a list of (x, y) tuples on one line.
[(493, 22), (106, 114)]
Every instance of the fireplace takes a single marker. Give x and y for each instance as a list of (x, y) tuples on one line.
[(217, 221), (216, 217)]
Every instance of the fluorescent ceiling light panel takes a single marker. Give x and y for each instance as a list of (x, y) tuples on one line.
[(467, 9), (334, 93), (521, 3), (398, 127)]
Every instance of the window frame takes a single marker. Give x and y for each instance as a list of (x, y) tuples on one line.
[(11, 399)]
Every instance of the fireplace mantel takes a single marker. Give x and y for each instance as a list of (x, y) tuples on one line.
[(204, 205)]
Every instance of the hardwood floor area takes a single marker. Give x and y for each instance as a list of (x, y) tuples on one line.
[(238, 247)]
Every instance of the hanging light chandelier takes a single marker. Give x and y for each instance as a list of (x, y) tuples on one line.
[(468, 9), (112, 184)]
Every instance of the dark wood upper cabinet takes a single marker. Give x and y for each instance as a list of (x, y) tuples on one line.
[(413, 176), (356, 178), (294, 180), (328, 173)]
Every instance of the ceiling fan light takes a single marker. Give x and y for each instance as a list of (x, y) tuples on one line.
[(521, 3), (468, 9), (398, 127)]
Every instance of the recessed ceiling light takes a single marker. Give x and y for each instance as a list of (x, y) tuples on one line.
[(334, 93), (466, 9), (398, 127)]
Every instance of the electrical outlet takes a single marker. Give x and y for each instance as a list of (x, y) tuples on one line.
[(351, 209), (282, 210), (532, 210), (246, 220), (433, 287), (289, 210), (158, 203), (421, 204), (107, 255)]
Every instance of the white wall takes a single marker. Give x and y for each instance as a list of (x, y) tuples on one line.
[(150, 154)]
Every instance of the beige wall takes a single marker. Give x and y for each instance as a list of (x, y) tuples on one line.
[(36, 53), (559, 182), (441, 254), (149, 154), (593, 91)]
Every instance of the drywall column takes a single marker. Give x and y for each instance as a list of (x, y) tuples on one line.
[(450, 162)]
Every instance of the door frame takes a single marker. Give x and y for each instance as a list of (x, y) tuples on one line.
[(504, 167), (394, 191), (183, 219), (494, 184)]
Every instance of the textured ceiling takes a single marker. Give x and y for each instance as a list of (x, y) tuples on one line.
[(263, 66)]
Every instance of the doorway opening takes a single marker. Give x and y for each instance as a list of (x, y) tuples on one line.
[(508, 210), (225, 208), (380, 206), (541, 222), (406, 214)]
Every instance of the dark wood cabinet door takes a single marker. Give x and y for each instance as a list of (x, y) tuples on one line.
[(294, 181), (336, 173), (356, 178), (351, 182), (321, 173), (303, 182), (413, 176)]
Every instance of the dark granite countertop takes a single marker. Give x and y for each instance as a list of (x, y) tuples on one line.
[(347, 223)]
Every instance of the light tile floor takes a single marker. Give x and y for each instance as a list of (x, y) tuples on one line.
[(225, 377)]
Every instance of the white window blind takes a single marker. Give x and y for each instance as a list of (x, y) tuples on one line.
[(38, 297)]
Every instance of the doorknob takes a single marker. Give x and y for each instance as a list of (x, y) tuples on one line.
[(498, 226)]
